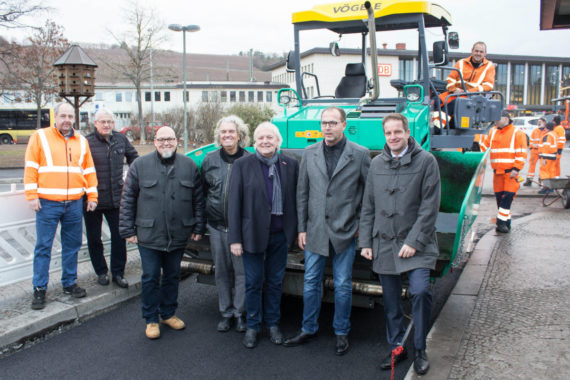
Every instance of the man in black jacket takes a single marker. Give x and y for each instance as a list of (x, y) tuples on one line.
[(109, 150), (161, 207)]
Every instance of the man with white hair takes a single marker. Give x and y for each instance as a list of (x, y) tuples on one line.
[(109, 150), (262, 219), (162, 206)]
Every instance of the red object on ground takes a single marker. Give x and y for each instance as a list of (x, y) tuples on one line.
[(395, 352)]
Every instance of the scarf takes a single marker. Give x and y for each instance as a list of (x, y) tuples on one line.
[(277, 204)]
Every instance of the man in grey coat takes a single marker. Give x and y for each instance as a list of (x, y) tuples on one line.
[(331, 182), (397, 232)]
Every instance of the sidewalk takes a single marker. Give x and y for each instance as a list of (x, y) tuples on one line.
[(509, 314)]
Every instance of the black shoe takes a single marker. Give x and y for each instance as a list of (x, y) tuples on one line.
[(121, 282), (75, 291), (502, 228), (240, 324), (39, 300), (528, 182), (275, 335), (421, 363), (386, 363), (103, 279), (225, 324), (341, 344), (250, 338), (301, 338)]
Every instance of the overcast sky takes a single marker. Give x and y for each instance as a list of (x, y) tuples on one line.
[(230, 26)]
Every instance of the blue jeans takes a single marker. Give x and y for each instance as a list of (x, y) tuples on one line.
[(265, 270), (313, 289), (159, 294), (421, 306), (69, 214)]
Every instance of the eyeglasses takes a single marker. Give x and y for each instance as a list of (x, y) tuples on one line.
[(105, 122), (332, 123), (162, 140)]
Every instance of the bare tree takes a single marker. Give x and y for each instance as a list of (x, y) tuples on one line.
[(29, 68), (11, 11), (145, 33)]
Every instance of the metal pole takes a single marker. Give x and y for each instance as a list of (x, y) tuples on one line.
[(151, 93), (184, 92)]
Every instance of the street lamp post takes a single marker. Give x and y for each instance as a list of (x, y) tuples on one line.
[(184, 29)]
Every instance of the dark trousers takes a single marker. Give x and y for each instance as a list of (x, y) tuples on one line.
[(159, 295), (504, 202), (421, 306), (264, 273), (93, 220)]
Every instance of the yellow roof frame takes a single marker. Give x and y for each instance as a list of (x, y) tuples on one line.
[(355, 10)]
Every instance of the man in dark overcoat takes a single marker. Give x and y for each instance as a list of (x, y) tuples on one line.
[(397, 231)]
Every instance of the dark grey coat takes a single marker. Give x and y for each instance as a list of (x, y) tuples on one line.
[(400, 206), (328, 209)]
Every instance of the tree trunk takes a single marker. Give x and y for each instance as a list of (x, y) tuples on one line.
[(140, 115)]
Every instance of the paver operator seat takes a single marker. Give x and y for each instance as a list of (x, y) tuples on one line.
[(353, 84)]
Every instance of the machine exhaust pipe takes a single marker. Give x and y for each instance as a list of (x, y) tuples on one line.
[(191, 266), (373, 55), (363, 288)]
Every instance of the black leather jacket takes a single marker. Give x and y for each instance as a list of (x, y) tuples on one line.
[(216, 178), (109, 158), (162, 204)]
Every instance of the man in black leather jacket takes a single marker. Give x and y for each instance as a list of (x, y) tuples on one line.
[(162, 206), (109, 150)]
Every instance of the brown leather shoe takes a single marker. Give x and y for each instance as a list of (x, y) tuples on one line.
[(152, 331), (174, 323)]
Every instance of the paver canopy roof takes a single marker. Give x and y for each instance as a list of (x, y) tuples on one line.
[(340, 17)]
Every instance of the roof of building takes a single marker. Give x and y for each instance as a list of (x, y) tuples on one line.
[(74, 56)]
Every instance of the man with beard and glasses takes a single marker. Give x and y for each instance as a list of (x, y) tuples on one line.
[(162, 206)]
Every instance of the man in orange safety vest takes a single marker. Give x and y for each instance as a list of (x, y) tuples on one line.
[(534, 141), (560, 141), (547, 151), (507, 146)]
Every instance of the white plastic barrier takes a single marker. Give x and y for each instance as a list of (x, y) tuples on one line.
[(18, 237)]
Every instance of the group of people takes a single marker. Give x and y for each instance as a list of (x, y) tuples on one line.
[(254, 206)]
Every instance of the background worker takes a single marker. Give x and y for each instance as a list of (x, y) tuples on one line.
[(534, 141), (508, 155), (59, 171), (109, 151), (478, 74), (231, 135), (560, 141), (547, 151)]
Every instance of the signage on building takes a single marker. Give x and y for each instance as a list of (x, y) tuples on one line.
[(384, 69)]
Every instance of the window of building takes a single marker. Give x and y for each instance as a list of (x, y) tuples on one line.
[(118, 97), (147, 96), (534, 84), (501, 78), (98, 96), (204, 96), (128, 96), (260, 96), (232, 96), (251, 96), (517, 84), (187, 96), (157, 96), (166, 96), (214, 96), (551, 83), (242, 96), (406, 69), (268, 96), (224, 96)]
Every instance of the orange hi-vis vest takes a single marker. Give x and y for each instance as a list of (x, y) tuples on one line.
[(560, 136), (536, 137), (59, 169), (477, 79), (548, 146), (507, 148)]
